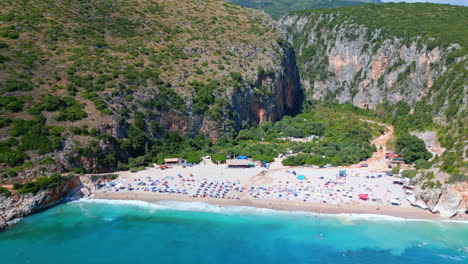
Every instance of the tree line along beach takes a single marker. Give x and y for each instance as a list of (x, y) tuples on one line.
[(361, 191)]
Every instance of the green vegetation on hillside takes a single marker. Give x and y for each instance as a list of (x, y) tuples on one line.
[(429, 27), (444, 24), (4, 192), (276, 8), (342, 139), (74, 72), (40, 184), (411, 148), (124, 84)]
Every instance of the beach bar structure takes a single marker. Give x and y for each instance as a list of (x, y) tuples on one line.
[(398, 160), (172, 161), (239, 163)]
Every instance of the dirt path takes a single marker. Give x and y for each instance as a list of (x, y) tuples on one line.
[(377, 161), (8, 186)]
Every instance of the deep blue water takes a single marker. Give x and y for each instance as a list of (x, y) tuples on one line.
[(138, 232)]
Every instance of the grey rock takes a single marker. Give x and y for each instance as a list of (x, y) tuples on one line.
[(429, 197), (350, 64)]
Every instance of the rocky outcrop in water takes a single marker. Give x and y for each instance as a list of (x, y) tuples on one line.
[(273, 94), (19, 206), (449, 201), (175, 70), (353, 64)]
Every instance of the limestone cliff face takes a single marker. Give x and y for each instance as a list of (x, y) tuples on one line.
[(273, 94), (268, 90), (352, 64), (19, 206), (340, 59)]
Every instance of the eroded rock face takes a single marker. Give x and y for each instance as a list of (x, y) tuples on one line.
[(430, 197), (347, 63), (283, 93), (449, 202), (19, 206)]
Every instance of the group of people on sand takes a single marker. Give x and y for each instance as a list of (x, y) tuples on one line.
[(335, 190), (285, 186), (179, 185)]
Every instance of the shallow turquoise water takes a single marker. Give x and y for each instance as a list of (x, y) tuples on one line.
[(138, 232)]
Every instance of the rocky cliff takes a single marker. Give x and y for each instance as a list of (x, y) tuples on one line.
[(449, 201), (19, 206), (390, 53), (351, 63)]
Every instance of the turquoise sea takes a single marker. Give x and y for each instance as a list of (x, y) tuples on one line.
[(139, 232)]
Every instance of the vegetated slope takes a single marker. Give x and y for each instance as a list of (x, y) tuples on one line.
[(90, 84), (276, 8), (407, 61)]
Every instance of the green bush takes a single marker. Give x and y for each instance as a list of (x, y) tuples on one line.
[(218, 157), (12, 157), (12, 85), (69, 109), (136, 169), (5, 192), (41, 183), (422, 164), (11, 103), (17, 186), (36, 142), (411, 148), (71, 114)]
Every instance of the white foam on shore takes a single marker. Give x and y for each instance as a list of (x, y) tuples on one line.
[(119, 202), (249, 210), (14, 221)]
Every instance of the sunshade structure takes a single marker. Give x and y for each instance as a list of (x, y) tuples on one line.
[(239, 163)]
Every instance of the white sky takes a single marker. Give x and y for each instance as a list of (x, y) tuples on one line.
[(452, 2)]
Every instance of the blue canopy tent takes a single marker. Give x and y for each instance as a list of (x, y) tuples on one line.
[(242, 157), (300, 177)]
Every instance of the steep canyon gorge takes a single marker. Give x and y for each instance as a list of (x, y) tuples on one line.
[(255, 70)]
